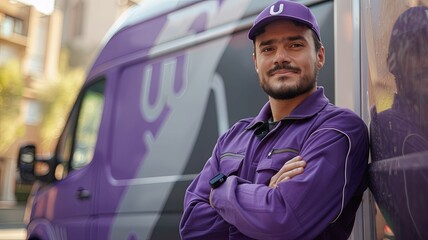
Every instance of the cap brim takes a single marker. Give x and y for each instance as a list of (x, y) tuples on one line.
[(254, 31)]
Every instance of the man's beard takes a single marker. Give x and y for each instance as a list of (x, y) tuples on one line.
[(305, 84)]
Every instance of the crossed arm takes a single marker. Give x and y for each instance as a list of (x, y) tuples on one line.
[(300, 201), (219, 229)]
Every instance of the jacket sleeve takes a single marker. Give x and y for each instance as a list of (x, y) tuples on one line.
[(199, 219), (304, 206)]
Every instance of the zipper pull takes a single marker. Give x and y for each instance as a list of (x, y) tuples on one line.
[(270, 153)]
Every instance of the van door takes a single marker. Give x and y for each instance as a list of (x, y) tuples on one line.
[(68, 203)]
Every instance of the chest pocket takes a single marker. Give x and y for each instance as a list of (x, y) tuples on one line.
[(273, 162), (230, 163)]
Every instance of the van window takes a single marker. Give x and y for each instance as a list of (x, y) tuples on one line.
[(395, 40), (77, 144)]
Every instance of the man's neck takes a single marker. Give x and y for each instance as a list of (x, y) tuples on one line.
[(283, 108)]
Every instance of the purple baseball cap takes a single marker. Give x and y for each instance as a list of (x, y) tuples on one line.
[(286, 10)]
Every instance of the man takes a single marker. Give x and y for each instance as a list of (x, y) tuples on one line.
[(247, 189)]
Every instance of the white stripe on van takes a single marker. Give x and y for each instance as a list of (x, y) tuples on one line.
[(168, 152), (155, 180)]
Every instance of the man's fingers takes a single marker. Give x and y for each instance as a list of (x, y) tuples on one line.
[(288, 166), (295, 159), (291, 168), (275, 184), (292, 164), (272, 182), (288, 175), (285, 176)]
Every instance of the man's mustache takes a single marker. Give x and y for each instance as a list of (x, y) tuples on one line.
[(285, 67)]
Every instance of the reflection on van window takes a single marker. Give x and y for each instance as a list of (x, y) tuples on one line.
[(396, 37), (87, 125), (403, 128)]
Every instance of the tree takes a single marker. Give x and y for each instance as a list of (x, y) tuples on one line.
[(11, 88), (57, 98)]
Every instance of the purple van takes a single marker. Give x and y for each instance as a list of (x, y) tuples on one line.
[(171, 77)]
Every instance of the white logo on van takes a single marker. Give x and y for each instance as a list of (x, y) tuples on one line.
[(274, 12), (164, 87)]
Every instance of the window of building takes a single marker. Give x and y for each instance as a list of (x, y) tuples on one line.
[(77, 19), (32, 114), (11, 25)]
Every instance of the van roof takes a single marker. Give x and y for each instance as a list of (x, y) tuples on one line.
[(143, 11), (148, 10)]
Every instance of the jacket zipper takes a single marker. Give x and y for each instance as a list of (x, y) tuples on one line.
[(276, 151)]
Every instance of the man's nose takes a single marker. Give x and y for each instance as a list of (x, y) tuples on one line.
[(282, 56)]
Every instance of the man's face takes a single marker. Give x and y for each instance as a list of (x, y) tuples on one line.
[(286, 61)]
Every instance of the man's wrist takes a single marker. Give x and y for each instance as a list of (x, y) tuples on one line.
[(217, 180)]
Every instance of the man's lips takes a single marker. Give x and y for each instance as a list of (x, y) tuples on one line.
[(283, 70)]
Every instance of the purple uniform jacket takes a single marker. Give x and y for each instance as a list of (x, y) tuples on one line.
[(318, 204)]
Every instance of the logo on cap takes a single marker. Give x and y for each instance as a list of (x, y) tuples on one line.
[(273, 12), (288, 10)]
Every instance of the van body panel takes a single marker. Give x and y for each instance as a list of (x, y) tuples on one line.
[(162, 90), (174, 82), (58, 213), (43, 229)]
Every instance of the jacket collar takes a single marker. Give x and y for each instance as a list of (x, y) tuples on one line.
[(306, 109)]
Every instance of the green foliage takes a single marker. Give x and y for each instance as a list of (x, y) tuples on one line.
[(11, 87), (57, 98)]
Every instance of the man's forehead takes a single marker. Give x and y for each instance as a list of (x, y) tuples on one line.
[(285, 26), (284, 30)]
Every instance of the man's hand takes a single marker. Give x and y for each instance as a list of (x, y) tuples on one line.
[(290, 169)]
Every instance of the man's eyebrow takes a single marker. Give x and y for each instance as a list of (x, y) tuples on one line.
[(267, 42), (289, 39), (294, 38)]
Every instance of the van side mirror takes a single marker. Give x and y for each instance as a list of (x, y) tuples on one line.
[(26, 159), (44, 170), (31, 168)]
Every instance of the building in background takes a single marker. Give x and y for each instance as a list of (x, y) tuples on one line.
[(35, 33), (30, 32), (86, 23)]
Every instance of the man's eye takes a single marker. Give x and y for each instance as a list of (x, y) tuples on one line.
[(268, 49), (296, 45)]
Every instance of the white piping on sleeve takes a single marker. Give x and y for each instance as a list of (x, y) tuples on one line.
[(346, 167)]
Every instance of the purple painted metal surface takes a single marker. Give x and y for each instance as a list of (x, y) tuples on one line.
[(396, 184), (129, 156), (135, 39)]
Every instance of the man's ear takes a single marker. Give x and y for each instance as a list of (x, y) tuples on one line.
[(255, 62), (320, 57)]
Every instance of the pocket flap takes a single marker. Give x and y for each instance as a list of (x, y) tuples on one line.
[(231, 163)]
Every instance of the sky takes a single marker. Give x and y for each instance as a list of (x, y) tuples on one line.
[(43, 6)]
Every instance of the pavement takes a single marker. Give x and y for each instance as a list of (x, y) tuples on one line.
[(12, 226)]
